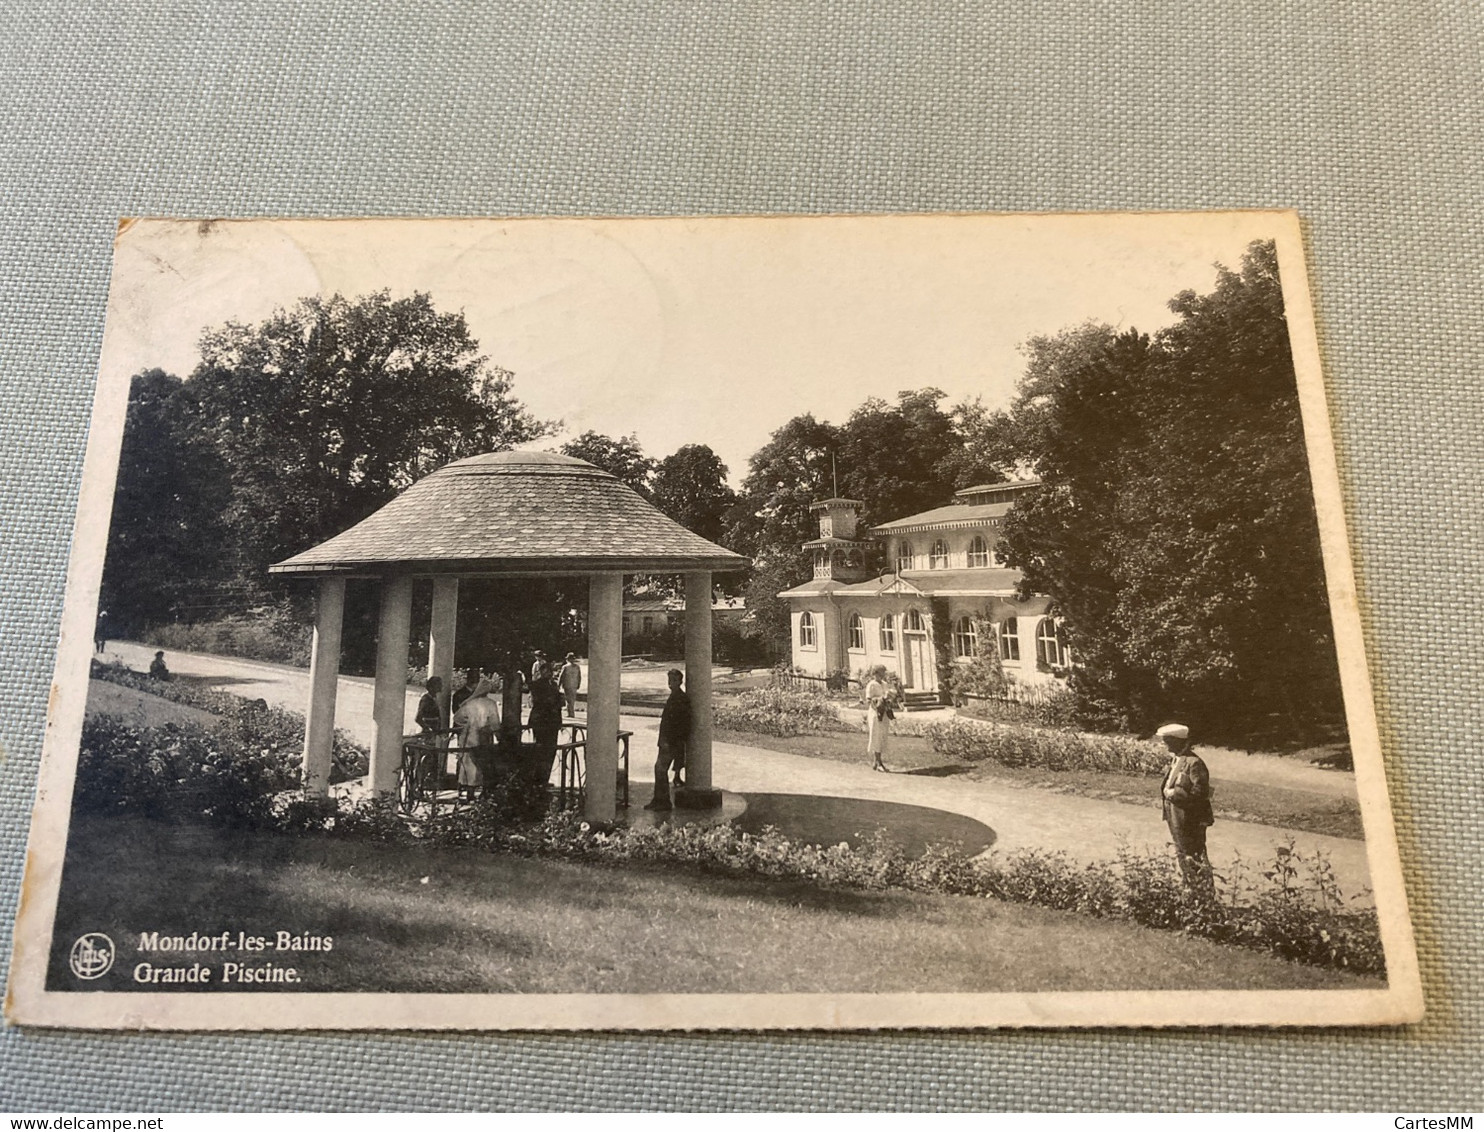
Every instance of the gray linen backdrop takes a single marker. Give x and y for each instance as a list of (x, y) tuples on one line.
[(1363, 116)]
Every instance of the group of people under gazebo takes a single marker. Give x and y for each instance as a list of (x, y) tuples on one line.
[(482, 718)]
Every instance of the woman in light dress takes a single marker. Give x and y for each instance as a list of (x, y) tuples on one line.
[(879, 715)]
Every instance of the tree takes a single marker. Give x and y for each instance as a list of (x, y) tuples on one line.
[(896, 458), (168, 531), (624, 457), (1176, 530), (771, 519), (690, 486), (327, 410)]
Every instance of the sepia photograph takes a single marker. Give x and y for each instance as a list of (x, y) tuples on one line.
[(712, 622)]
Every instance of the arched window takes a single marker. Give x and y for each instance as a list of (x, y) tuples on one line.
[(904, 556), (1009, 639), (806, 630), (1051, 645), (888, 632), (857, 632), (965, 638), (978, 552), (914, 622), (938, 556)]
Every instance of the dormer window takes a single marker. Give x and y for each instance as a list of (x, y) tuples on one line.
[(904, 556), (978, 552), (938, 556)]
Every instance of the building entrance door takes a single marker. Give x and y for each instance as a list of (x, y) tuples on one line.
[(919, 674)]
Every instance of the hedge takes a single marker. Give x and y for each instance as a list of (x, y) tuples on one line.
[(1013, 744)]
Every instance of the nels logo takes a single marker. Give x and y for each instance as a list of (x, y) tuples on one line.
[(91, 956)]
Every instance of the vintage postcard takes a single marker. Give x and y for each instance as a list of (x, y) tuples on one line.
[(755, 622)]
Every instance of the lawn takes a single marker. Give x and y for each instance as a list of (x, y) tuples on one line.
[(1235, 801), (454, 920)]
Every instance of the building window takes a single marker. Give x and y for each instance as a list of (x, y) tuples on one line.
[(857, 632), (965, 639), (1009, 639), (648, 624), (806, 630), (904, 556), (1051, 646), (914, 622), (938, 558), (978, 552), (888, 632)]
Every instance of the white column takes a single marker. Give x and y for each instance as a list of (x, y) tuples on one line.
[(390, 703), (698, 789), (604, 657), (324, 681), (441, 636)]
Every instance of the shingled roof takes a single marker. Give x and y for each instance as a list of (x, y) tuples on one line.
[(515, 513)]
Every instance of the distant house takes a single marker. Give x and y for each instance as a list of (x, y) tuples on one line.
[(643, 616), (873, 595)]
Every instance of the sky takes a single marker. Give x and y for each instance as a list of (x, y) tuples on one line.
[(691, 330)]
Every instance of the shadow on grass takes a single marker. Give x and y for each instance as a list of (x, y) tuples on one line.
[(817, 820), (945, 770)]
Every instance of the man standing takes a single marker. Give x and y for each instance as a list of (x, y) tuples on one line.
[(1187, 806), (430, 707), (570, 679), (674, 737), (471, 681)]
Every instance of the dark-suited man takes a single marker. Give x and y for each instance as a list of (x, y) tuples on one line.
[(1187, 805), (674, 738)]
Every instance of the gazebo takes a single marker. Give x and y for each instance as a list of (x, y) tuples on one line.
[(510, 514)]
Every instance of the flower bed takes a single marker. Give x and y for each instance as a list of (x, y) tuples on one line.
[(776, 710), (1013, 744)]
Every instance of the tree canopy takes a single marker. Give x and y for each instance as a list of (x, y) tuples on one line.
[(623, 456), (327, 410), (286, 433), (690, 486), (1176, 530)]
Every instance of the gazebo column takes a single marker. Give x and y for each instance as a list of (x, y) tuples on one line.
[(324, 682), (389, 707), (604, 660), (441, 636), (698, 792)]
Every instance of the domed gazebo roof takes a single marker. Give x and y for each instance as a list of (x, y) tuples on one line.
[(515, 513)]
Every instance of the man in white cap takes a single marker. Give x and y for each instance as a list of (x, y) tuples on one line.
[(1187, 805)]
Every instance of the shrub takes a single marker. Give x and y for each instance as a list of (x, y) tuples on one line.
[(278, 726), (776, 710), (270, 634), (1019, 745), (1046, 706), (231, 776)]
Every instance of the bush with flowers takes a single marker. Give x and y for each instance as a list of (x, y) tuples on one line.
[(1018, 744)]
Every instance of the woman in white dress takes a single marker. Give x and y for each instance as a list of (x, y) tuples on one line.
[(879, 715)]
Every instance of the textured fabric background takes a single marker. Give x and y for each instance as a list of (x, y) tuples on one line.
[(1366, 117)]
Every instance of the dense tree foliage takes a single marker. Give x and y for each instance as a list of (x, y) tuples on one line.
[(286, 433), (690, 486), (1176, 530), (623, 456), (327, 410), (168, 529)]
